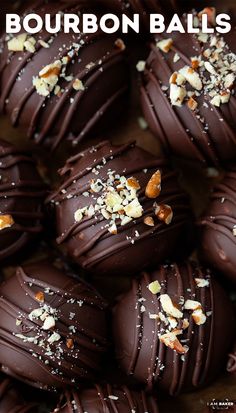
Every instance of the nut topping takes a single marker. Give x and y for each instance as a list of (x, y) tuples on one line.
[(70, 343), (120, 44), (39, 296), (168, 306), (201, 282), (149, 221), (170, 340), (164, 213), (133, 183), (154, 287), (165, 45), (199, 317), (153, 187), (6, 221), (192, 305), (78, 85), (192, 103)]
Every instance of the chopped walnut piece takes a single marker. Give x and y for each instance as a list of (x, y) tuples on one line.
[(216, 101), (149, 221), (47, 79), (40, 296), (79, 214), (78, 85), (199, 317), (173, 78), (170, 340), (133, 183), (120, 44), (54, 337), (6, 221), (153, 187), (29, 44), (164, 213), (168, 306), (51, 70), (192, 103), (69, 343), (192, 77), (134, 209), (17, 43), (177, 78), (202, 282), (172, 322), (192, 305), (48, 323), (195, 63), (113, 229), (224, 97), (229, 81), (177, 94), (165, 45), (154, 287), (209, 68), (185, 324)]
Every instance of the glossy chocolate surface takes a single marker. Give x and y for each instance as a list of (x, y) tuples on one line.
[(52, 327), (217, 228), (140, 324), (206, 134), (107, 399), (126, 246), (68, 111), (21, 196)]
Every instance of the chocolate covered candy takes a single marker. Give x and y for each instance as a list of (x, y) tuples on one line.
[(218, 228), (187, 93), (62, 85), (173, 329), (107, 399), (120, 209), (21, 196), (52, 327)]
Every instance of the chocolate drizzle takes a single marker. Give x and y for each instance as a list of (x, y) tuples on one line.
[(109, 399), (217, 227), (141, 353), (49, 120), (89, 242), (66, 351), (207, 135), (11, 400), (21, 194)]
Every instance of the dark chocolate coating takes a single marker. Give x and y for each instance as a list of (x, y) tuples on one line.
[(136, 335), (99, 64), (79, 318), (21, 196), (107, 399), (217, 241), (207, 135), (136, 245), (11, 400)]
